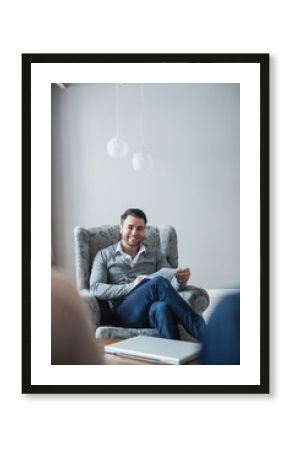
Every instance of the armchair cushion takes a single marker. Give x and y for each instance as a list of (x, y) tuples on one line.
[(123, 333), (110, 332)]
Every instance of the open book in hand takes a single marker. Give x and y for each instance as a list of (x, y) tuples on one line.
[(165, 272)]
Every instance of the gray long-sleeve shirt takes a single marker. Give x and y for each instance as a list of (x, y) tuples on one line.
[(112, 277)]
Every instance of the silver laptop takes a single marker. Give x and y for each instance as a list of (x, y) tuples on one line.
[(154, 349)]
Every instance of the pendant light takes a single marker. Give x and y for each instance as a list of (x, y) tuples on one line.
[(117, 147), (142, 160)]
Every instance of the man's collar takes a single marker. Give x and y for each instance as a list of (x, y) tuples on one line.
[(119, 249)]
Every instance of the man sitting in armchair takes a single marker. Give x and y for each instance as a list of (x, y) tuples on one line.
[(119, 276)]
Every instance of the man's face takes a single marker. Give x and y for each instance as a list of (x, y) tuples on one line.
[(132, 231)]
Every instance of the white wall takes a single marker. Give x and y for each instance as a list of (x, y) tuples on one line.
[(192, 130)]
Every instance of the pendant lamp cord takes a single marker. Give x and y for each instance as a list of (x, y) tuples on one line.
[(117, 108), (141, 124)]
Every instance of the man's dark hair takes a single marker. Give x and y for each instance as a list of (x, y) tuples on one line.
[(134, 212)]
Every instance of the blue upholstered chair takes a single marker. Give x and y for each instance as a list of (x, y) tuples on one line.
[(89, 241)]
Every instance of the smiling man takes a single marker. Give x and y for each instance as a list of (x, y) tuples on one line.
[(119, 277)]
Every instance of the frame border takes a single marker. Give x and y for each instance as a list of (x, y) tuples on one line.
[(260, 58)]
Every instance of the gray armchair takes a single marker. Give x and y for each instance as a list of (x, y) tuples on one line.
[(89, 241)]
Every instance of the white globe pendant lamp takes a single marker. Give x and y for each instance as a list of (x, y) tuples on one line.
[(117, 147), (143, 159)]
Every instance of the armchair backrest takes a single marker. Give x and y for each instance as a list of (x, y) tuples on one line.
[(89, 241)]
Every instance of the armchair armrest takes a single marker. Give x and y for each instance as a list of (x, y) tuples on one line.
[(197, 298), (93, 307)]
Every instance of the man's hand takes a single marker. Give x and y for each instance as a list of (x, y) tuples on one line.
[(138, 279), (182, 275)]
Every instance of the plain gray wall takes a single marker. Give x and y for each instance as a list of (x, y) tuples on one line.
[(193, 133)]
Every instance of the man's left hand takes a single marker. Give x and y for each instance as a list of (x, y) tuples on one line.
[(182, 275)]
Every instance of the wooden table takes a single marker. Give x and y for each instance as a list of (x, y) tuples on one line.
[(113, 359)]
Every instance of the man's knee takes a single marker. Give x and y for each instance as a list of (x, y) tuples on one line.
[(160, 309), (160, 281)]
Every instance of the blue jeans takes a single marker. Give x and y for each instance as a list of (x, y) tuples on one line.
[(155, 303)]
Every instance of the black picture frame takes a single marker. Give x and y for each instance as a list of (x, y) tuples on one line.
[(232, 58)]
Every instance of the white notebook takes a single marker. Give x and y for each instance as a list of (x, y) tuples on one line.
[(157, 350)]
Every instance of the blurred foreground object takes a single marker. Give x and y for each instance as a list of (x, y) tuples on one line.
[(222, 334), (72, 338)]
